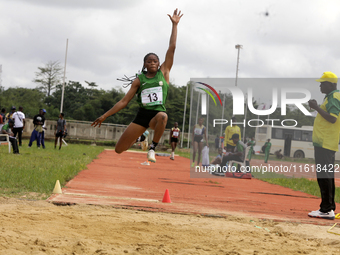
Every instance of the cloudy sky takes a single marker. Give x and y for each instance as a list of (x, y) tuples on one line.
[(109, 38)]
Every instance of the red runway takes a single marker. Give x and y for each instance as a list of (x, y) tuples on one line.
[(121, 181)]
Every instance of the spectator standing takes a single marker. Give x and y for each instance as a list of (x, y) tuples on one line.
[(222, 140), (267, 146), (10, 114), (38, 121), (1, 121), (19, 124), (251, 143), (217, 142), (229, 145), (60, 129), (2, 118), (199, 131), (43, 131), (326, 130), (7, 129)]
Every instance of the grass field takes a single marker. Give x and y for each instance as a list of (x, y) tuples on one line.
[(34, 172), (299, 184)]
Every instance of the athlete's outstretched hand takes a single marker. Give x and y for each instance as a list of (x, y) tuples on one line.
[(98, 121), (175, 17)]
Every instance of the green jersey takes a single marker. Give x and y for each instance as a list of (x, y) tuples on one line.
[(325, 133), (5, 128), (152, 92), (268, 145), (251, 144)]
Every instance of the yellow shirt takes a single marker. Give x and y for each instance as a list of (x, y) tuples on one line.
[(229, 131), (325, 133)]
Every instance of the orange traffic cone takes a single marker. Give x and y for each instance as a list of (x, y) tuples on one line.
[(166, 198)]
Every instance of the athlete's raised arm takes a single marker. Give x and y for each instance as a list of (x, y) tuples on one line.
[(169, 57)]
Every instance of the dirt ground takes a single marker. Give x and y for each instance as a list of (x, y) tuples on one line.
[(39, 227)]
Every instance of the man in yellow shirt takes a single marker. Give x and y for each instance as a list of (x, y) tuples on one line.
[(229, 145), (325, 140)]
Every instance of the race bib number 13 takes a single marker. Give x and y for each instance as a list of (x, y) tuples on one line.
[(152, 96)]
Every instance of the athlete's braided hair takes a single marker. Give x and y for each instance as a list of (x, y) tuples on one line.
[(128, 80)]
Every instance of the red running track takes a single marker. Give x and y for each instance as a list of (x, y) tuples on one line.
[(121, 181)]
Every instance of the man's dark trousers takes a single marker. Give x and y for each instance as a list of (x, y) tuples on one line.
[(324, 165), (19, 132)]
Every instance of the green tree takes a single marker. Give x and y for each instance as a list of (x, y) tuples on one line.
[(1, 97), (175, 105), (75, 97), (30, 99), (48, 76)]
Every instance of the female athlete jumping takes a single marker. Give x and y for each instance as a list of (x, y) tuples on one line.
[(151, 88)]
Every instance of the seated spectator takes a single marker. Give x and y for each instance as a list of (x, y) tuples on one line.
[(278, 154), (218, 159), (239, 151), (7, 129)]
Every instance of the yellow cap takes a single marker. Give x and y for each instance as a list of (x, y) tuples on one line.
[(328, 76)]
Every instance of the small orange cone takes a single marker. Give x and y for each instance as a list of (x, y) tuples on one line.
[(166, 198)]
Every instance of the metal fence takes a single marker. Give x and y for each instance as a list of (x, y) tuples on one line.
[(83, 130)]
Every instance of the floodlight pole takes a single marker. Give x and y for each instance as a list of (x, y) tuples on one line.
[(191, 97), (198, 105), (185, 108), (62, 92), (207, 132), (219, 144), (238, 47)]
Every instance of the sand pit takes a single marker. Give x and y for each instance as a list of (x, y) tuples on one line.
[(39, 227)]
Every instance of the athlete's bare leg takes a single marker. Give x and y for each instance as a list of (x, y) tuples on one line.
[(129, 137), (134, 131), (200, 147), (158, 124), (173, 146), (194, 152)]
